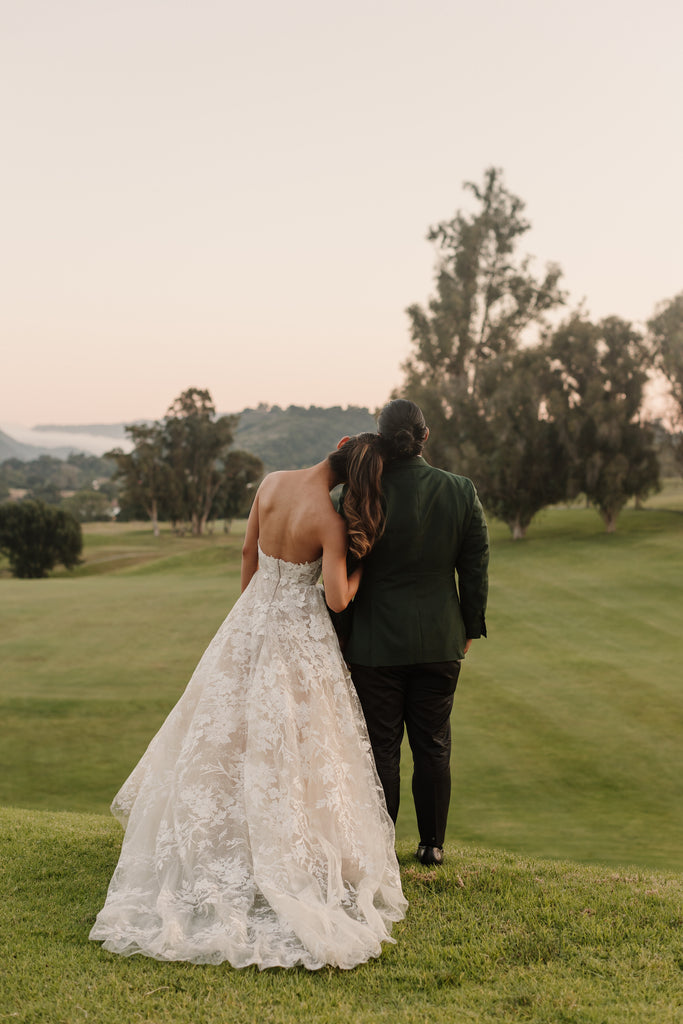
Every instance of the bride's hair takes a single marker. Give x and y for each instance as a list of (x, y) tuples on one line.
[(359, 464)]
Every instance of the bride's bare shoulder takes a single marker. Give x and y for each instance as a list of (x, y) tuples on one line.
[(271, 478), (276, 479)]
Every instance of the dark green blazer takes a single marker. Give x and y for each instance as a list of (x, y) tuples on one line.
[(425, 583)]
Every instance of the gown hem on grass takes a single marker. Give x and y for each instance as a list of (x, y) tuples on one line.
[(256, 826)]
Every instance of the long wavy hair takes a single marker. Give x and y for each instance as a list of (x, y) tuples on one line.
[(359, 464)]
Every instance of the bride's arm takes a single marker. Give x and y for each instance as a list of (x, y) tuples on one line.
[(250, 546), (340, 589)]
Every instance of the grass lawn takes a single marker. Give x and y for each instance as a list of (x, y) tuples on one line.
[(567, 720), (490, 937), (567, 746)]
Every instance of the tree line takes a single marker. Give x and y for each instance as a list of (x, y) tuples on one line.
[(80, 484), (184, 469), (181, 469), (535, 412), (283, 438)]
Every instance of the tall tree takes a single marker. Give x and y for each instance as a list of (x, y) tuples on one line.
[(600, 372), (144, 472), (196, 444), (486, 295), (488, 302), (178, 466), (521, 464), (240, 474)]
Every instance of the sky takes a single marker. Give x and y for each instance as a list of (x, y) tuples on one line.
[(236, 196)]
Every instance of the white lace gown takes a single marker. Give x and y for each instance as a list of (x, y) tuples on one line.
[(256, 827)]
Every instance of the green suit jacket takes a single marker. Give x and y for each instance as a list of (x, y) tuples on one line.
[(425, 583)]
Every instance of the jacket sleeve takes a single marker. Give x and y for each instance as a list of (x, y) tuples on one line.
[(472, 568)]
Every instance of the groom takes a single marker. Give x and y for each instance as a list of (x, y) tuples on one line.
[(411, 625)]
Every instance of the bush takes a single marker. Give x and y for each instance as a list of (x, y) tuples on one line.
[(88, 506), (35, 536)]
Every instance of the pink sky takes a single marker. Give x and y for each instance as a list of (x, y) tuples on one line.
[(236, 197)]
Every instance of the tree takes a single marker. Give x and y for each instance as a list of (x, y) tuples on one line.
[(521, 462), (666, 339), (466, 342), (88, 506), (48, 492), (487, 296), (600, 372), (143, 472), (196, 445), (669, 445), (35, 537), (241, 472), (177, 466), (13, 473), (46, 478)]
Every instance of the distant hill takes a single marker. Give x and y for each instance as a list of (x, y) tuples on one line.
[(11, 449), (282, 438), (297, 436)]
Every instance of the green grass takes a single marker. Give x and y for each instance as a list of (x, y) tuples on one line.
[(567, 731), (567, 721), (92, 665), (489, 937)]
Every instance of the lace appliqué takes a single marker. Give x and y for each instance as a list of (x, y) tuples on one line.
[(256, 828)]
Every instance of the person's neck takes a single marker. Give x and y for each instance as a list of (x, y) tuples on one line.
[(323, 471)]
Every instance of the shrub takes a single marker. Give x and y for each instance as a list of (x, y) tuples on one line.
[(36, 536)]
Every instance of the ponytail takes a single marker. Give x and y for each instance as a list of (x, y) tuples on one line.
[(360, 463)]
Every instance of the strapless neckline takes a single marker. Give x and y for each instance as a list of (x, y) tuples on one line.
[(285, 561)]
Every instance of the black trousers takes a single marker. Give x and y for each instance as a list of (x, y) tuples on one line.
[(421, 698)]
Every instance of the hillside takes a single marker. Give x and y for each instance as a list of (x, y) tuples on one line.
[(295, 437), (11, 449), (489, 937), (282, 438)]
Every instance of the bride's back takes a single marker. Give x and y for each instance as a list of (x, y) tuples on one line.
[(294, 507)]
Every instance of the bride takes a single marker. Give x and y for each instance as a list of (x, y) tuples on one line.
[(256, 827)]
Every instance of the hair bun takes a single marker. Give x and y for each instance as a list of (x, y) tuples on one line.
[(404, 443), (403, 427)]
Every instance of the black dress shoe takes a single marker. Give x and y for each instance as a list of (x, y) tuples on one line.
[(429, 854)]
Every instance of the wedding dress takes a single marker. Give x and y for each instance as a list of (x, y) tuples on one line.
[(256, 828)]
